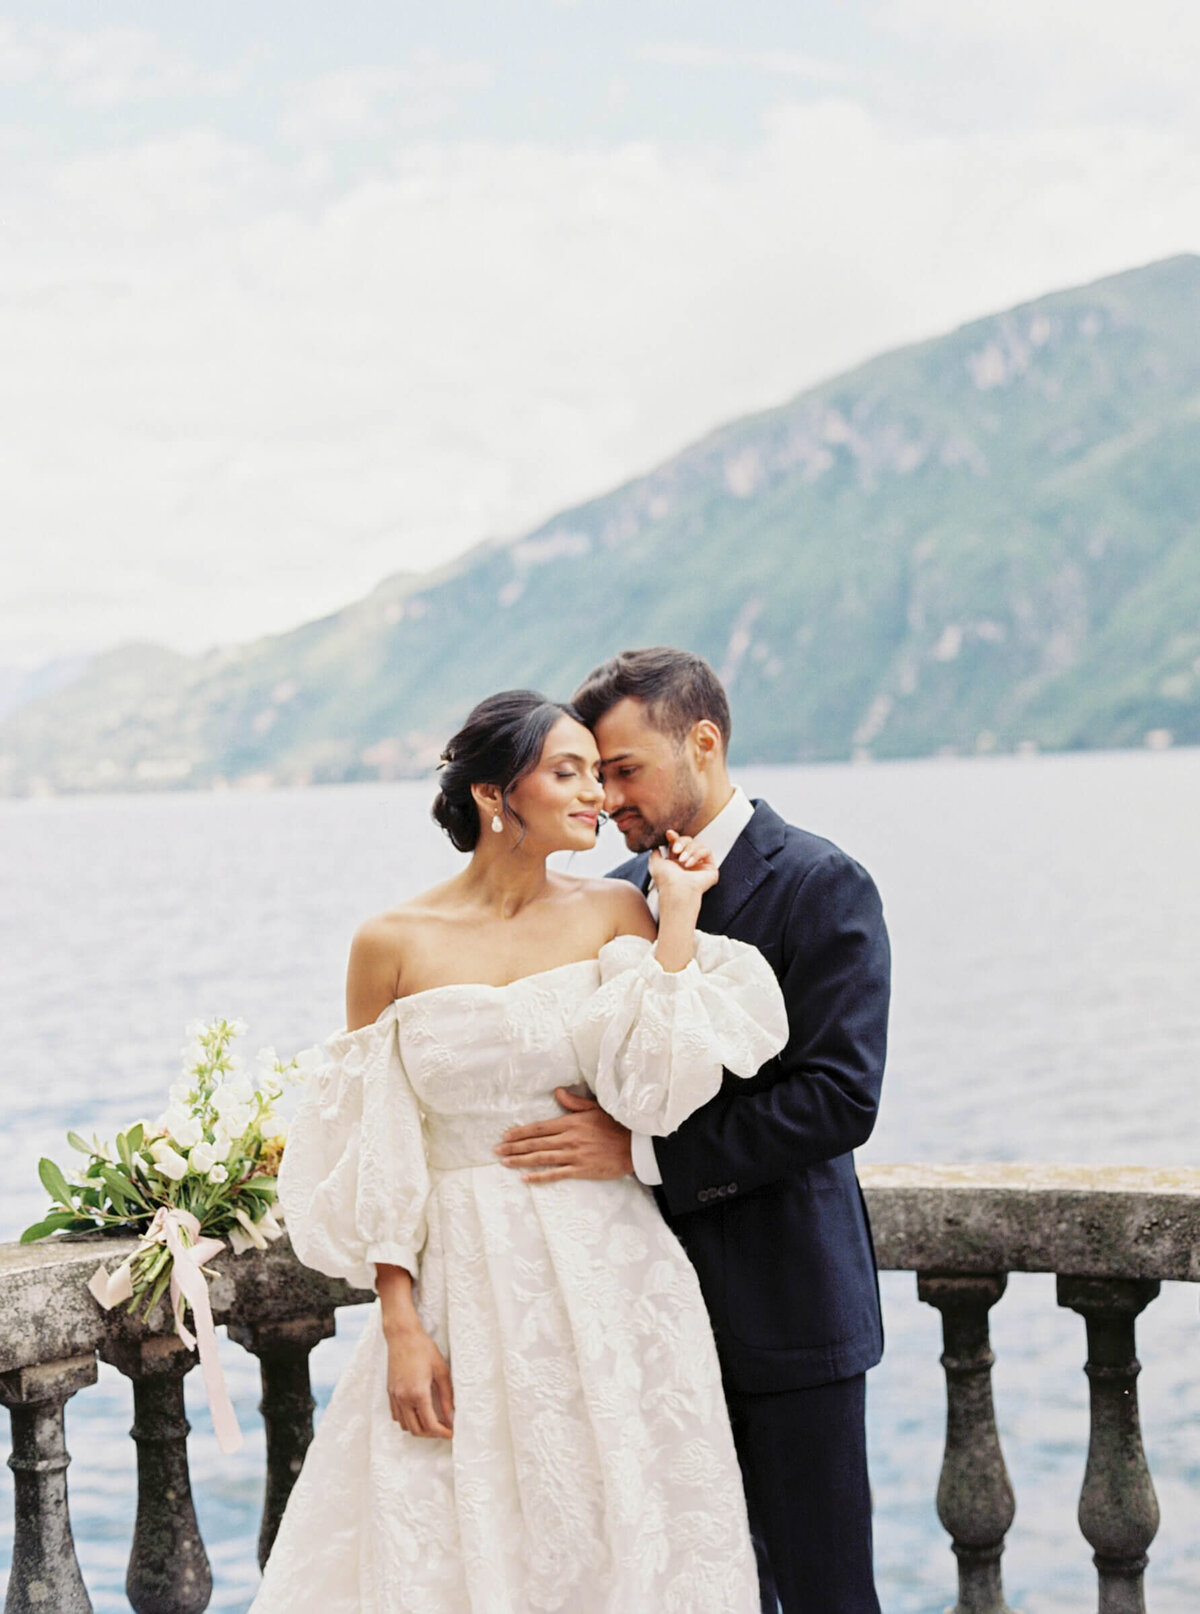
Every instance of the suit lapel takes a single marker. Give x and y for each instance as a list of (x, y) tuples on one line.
[(743, 871)]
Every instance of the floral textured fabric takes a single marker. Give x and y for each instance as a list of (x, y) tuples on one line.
[(592, 1470)]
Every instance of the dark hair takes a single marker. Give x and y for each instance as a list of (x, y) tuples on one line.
[(500, 743), (678, 688)]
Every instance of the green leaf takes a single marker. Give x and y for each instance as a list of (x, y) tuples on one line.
[(123, 1151), (135, 1136), (124, 1195), (77, 1142), (54, 1182), (54, 1223)]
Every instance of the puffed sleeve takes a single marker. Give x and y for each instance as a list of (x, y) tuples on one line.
[(654, 1043), (354, 1180)]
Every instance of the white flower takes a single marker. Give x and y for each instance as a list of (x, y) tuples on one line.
[(225, 1143), (196, 1029), (181, 1092), (237, 1121), (182, 1126), (272, 1127), (266, 1060), (237, 1028), (234, 1064), (202, 1157), (231, 1100), (218, 1173), (305, 1062), (170, 1163)]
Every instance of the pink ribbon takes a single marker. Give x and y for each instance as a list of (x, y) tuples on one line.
[(179, 1230)]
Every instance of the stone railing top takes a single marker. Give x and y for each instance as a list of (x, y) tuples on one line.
[(1085, 1221), (1037, 1176), (49, 1313)]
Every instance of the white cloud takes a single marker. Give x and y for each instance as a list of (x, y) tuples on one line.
[(1057, 61), (1160, 34), (241, 384), (369, 102), (787, 64), (106, 67)]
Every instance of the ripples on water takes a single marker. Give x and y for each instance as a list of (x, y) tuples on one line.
[(1045, 917)]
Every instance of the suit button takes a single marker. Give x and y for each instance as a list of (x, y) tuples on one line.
[(704, 1194), (733, 1188)]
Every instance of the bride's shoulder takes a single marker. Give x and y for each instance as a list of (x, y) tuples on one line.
[(619, 906), (386, 936), (382, 955), (402, 917)]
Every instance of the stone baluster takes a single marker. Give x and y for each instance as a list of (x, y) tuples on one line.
[(45, 1577), (1118, 1510), (975, 1498), (287, 1404), (168, 1567)]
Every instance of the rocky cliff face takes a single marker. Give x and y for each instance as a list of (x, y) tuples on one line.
[(984, 542)]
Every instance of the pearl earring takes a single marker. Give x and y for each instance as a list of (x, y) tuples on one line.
[(496, 824)]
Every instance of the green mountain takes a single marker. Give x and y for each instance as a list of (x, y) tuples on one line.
[(986, 541)]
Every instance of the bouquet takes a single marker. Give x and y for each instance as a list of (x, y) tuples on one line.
[(204, 1173)]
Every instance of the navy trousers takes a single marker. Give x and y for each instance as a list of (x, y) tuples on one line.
[(803, 1455)]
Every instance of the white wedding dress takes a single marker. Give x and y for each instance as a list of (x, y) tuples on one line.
[(592, 1470)]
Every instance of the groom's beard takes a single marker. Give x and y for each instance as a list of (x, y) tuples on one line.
[(642, 834)]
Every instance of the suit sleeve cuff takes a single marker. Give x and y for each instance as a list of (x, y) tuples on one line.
[(645, 1162)]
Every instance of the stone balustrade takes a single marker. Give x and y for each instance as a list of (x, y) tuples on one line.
[(1111, 1235)]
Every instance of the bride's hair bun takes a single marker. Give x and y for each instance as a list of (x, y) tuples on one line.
[(500, 743), (459, 819)]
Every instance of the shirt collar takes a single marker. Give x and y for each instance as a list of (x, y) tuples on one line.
[(720, 833)]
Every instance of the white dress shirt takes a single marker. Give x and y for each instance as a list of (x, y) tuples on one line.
[(719, 836)]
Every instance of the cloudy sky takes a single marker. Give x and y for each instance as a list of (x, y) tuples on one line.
[(296, 295)]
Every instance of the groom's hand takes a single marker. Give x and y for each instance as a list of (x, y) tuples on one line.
[(585, 1142)]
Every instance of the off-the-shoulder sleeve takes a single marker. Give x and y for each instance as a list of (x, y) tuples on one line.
[(354, 1180), (654, 1043)]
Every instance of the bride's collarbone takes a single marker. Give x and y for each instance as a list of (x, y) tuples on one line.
[(478, 964), (439, 947)]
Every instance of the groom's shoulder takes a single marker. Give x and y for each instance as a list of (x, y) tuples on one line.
[(800, 853)]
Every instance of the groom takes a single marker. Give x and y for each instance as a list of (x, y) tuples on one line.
[(759, 1185)]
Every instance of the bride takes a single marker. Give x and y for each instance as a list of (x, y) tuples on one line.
[(532, 1419)]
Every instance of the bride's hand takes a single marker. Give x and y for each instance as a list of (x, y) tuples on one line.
[(689, 866), (418, 1383)]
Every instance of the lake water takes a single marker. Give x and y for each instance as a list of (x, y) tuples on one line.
[(1045, 917)]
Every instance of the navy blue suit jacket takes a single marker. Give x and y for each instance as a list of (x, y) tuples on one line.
[(759, 1185)]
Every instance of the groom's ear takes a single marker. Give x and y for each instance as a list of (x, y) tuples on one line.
[(707, 742)]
